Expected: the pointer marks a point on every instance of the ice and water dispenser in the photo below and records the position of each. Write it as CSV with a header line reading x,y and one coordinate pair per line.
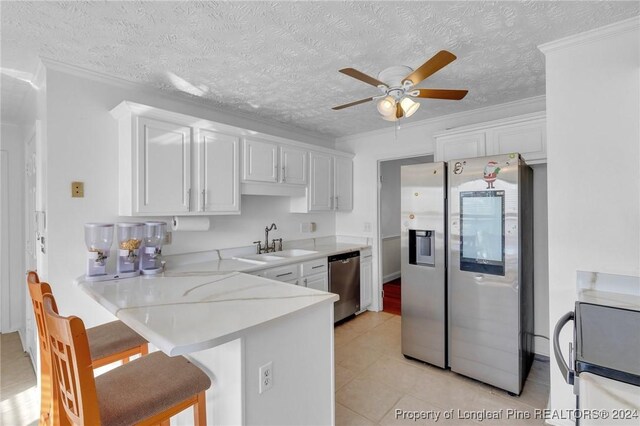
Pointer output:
x,y
422,249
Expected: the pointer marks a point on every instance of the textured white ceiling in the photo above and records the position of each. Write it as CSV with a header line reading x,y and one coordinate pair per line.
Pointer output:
x,y
279,60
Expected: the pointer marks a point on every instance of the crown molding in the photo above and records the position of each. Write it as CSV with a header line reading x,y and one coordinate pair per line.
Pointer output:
x,y
287,130
535,101
620,27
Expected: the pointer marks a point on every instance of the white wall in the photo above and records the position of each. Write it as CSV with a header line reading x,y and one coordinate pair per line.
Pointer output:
x,y
414,139
82,145
593,120
12,267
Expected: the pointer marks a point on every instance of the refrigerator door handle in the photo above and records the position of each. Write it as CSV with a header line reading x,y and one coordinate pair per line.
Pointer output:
x,y
567,373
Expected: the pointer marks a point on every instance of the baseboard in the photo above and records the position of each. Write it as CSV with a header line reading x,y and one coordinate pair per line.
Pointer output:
x,y
390,277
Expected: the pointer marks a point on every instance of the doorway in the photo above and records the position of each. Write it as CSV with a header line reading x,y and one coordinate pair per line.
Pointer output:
x,y
389,221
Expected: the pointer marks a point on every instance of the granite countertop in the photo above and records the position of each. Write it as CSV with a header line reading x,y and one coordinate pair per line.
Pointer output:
x,y
188,311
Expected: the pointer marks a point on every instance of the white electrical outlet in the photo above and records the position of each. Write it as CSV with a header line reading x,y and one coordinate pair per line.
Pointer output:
x,y
266,377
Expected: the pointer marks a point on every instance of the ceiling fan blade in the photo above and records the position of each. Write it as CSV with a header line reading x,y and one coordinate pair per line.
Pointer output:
x,y
399,110
358,75
436,63
361,101
454,95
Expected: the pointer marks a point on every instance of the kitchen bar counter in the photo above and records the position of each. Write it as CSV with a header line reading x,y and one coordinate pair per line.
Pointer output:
x,y
231,324
185,312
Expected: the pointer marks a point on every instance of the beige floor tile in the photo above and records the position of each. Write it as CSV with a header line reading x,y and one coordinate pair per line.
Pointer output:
x,y
366,321
368,398
355,356
412,411
346,417
343,336
394,373
343,376
19,397
445,390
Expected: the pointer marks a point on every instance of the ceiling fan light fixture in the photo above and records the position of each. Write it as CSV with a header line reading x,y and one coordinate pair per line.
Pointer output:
x,y
409,106
386,106
391,117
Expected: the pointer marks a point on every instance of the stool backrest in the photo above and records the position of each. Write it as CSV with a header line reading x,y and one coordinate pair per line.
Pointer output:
x,y
37,290
74,383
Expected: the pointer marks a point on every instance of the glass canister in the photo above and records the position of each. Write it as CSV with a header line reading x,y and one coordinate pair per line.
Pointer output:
x,y
129,242
154,233
98,238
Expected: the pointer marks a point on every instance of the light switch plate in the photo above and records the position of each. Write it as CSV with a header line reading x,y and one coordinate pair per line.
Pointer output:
x,y
77,189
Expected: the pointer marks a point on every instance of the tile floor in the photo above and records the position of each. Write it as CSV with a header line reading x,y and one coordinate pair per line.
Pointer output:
x,y
374,379
19,398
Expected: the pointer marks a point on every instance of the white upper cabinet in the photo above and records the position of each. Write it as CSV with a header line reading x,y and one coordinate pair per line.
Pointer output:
x,y
171,164
293,165
343,187
320,181
163,169
330,184
525,134
219,177
528,138
260,161
460,146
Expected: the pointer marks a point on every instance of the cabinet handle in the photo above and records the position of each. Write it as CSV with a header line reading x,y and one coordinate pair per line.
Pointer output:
x,y
284,275
305,282
330,203
316,267
189,198
337,208
204,199
284,174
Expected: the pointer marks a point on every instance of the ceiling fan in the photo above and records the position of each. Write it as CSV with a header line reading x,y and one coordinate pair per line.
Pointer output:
x,y
397,85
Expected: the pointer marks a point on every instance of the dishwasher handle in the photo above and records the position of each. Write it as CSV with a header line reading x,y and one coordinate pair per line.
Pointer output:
x,y
567,373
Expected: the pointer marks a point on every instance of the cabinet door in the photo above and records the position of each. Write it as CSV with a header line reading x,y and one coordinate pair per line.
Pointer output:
x,y
529,139
469,145
219,189
164,167
366,282
343,184
260,161
318,282
293,165
320,182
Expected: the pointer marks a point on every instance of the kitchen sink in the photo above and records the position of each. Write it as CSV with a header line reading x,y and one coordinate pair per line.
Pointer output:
x,y
258,258
293,253
261,259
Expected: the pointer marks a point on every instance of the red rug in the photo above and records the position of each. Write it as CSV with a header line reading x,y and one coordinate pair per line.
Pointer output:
x,y
391,301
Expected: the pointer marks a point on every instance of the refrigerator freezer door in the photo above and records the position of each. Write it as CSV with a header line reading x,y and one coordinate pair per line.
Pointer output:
x,y
491,318
424,298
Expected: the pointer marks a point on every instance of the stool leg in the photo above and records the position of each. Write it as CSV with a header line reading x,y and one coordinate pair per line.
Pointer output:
x,y
200,411
166,422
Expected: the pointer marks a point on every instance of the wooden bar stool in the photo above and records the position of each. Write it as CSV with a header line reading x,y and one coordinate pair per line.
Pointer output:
x,y
108,343
146,391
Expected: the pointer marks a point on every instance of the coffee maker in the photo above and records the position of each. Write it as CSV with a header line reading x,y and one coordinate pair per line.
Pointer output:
x,y
98,237
154,233
129,242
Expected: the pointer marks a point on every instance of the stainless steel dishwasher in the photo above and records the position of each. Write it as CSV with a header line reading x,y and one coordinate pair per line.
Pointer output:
x,y
344,280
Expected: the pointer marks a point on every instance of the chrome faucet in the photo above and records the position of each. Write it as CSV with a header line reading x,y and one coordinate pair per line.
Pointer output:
x,y
268,248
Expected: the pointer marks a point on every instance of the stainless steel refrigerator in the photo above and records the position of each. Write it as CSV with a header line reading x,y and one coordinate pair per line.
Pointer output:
x,y
490,274
423,267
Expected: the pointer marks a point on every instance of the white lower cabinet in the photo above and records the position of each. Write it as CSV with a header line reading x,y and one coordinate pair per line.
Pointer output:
x,y
318,282
312,274
366,279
